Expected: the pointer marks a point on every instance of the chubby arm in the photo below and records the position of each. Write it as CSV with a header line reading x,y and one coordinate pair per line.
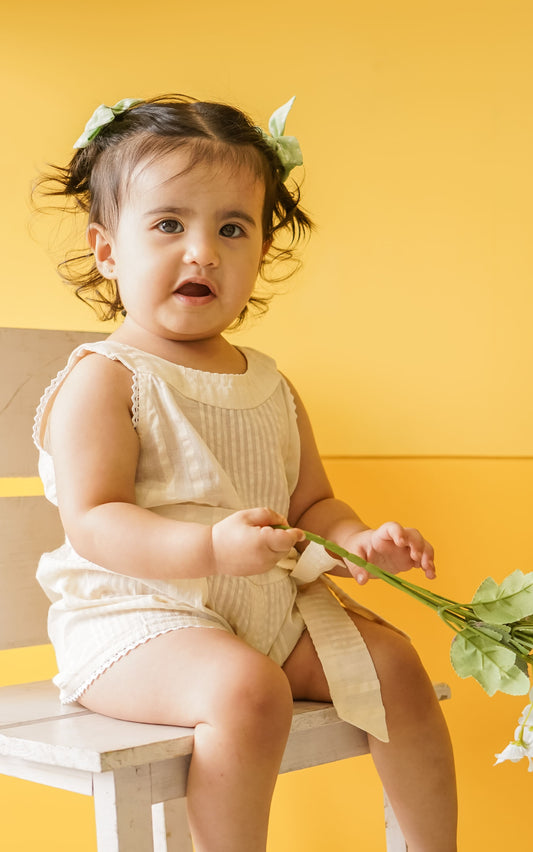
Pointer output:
x,y
315,508
95,451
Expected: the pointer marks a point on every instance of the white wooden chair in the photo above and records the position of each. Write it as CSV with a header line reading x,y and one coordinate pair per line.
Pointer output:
x,y
136,773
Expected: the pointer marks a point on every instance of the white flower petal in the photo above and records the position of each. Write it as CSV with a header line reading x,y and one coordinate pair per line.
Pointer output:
x,y
512,752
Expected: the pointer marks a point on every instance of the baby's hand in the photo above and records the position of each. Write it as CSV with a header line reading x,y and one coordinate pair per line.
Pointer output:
x,y
246,543
393,548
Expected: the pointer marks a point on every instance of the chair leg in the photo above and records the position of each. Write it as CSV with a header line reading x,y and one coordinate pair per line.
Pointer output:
x,y
123,810
395,839
171,826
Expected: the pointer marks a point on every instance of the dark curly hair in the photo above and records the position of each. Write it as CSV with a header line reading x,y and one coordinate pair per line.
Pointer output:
x,y
96,180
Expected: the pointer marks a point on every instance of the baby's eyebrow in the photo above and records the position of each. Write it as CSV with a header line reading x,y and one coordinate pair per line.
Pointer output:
x,y
238,214
175,211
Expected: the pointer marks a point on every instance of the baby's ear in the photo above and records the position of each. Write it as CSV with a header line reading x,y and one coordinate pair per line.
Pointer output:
x,y
102,247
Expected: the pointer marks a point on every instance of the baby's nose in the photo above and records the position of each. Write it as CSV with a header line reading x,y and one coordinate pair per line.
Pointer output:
x,y
201,249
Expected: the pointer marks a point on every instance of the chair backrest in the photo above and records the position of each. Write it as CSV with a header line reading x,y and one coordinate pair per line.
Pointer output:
x,y
29,526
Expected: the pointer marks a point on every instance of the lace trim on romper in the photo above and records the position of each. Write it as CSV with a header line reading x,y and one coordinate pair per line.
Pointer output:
x,y
53,387
135,400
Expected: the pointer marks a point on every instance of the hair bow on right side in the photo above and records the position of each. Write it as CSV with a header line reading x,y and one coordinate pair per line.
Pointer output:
x,y
287,148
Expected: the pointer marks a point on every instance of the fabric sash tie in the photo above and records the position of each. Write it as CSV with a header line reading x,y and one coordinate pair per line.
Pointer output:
x,y
348,667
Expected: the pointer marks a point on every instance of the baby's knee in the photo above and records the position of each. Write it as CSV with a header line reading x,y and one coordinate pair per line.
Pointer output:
x,y
398,650
260,699
403,678
394,656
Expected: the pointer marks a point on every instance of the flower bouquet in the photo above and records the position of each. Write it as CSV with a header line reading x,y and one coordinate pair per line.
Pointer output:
x,y
493,640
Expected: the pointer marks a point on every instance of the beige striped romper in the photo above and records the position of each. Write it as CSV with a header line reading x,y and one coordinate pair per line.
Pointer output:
x,y
210,444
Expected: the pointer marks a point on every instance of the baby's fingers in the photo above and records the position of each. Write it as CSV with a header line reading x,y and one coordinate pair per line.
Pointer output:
x,y
427,561
280,541
421,552
411,541
362,576
261,517
392,531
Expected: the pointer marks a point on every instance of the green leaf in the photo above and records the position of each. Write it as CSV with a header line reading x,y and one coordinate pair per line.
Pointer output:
x,y
475,655
500,632
508,602
523,666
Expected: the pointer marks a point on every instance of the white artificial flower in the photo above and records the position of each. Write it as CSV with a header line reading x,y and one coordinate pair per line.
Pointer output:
x,y
522,745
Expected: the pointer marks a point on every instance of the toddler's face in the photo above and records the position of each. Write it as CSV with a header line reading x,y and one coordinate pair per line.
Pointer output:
x,y
187,248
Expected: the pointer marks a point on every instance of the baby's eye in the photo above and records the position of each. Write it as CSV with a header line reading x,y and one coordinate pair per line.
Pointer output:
x,y
231,230
170,226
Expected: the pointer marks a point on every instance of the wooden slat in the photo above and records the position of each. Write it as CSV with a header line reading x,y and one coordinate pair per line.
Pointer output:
x,y
95,743
29,526
34,702
169,778
73,780
325,744
29,359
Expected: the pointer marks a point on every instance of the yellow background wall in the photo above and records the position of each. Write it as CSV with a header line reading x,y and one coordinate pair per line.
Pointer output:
x,y
407,331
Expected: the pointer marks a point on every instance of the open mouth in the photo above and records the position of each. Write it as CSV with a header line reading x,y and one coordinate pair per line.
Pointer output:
x,y
194,289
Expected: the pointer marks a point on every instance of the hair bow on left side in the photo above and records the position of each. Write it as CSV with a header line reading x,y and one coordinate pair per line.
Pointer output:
x,y
102,116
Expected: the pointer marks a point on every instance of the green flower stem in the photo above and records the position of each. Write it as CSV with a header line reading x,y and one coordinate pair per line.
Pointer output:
x,y
522,644
456,624
525,632
431,599
521,650
456,616
422,594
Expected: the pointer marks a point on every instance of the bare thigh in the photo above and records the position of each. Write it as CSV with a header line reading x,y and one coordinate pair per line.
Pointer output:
x,y
387,647
183,677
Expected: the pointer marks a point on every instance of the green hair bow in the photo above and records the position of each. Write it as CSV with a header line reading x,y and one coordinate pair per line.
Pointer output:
x,y
101,116
287,148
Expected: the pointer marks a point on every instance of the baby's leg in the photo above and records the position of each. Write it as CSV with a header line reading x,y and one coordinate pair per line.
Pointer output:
x,y
241,705
416,766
